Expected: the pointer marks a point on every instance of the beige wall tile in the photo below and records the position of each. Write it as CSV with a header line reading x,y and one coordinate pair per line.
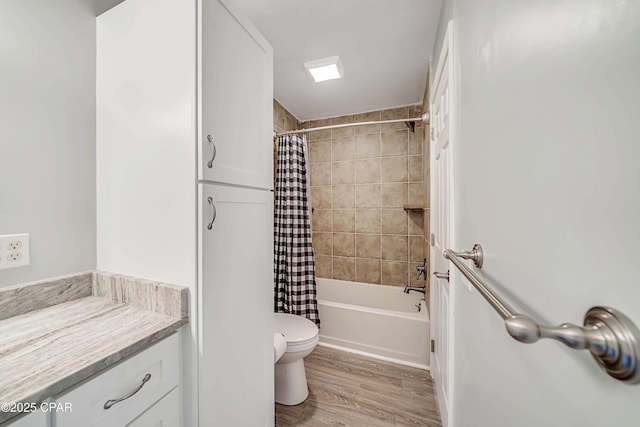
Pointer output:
x,y
320,173
343,149
415,168
427,232
371,116
368,246
340,132
320,151
321,197
416,248
322,243
320,134
343,172
322,220
368,195
416,223
394,248
415,142
395,195
368,171
344,244
394,169
343,196
394,113
394,143
415,111
394,273
349,220
290,122
368,146
323,266
416,193
368,270
344,268
368,220
344,220
394,221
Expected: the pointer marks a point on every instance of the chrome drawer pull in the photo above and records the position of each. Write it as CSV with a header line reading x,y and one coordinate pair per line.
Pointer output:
x,y
109,403
215,213
213,155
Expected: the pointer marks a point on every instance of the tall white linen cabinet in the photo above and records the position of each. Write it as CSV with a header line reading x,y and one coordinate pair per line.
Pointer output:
x,y
184,173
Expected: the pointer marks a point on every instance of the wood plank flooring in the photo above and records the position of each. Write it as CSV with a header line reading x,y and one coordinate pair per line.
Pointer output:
x,y
350,390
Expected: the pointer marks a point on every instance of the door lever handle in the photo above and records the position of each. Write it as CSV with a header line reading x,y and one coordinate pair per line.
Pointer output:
x,y
440,275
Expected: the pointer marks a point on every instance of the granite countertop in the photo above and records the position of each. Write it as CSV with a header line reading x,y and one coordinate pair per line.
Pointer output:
x,y
57,333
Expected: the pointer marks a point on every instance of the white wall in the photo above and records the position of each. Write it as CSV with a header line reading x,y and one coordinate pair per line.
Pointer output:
x,y
47,142
547,179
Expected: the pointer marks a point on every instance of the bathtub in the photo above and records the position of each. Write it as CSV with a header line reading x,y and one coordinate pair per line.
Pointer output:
x,y
374,320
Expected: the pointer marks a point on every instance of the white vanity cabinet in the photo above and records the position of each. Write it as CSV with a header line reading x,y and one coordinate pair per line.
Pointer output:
x,y
35,419
142,382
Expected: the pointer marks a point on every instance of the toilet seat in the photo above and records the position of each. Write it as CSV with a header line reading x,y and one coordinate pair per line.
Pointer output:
x,y
299,332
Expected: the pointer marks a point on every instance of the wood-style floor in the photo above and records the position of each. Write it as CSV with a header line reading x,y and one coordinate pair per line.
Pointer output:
x,y
350,390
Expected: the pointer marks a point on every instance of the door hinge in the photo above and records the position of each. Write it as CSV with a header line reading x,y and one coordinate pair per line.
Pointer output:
x,y
432,239
433,346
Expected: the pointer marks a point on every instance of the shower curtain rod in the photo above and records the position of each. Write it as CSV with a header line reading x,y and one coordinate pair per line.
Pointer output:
x,y
425,118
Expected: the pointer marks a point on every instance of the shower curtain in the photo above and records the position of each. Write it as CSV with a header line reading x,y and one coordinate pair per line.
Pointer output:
x,y
294,266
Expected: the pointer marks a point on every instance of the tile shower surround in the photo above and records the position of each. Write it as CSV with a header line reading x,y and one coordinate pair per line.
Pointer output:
x,y
360,179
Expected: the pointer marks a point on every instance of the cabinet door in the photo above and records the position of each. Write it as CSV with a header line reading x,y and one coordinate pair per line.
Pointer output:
x,y
236,307
236,99
165,413
34,419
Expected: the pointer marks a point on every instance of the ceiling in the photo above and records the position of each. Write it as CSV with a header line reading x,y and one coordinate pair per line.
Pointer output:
x,y
384,45
100,6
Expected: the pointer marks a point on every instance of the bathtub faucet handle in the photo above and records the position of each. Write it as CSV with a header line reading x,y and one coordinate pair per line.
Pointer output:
x,y
422,270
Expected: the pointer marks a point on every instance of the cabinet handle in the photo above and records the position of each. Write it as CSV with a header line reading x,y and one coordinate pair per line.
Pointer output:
x,y
109,403
215,213
213,148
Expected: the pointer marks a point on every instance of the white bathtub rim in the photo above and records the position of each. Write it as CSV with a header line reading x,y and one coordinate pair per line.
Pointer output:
x,y
376,356
422,315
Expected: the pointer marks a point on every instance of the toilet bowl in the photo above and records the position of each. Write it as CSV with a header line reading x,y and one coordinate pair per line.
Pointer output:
x,y
301,335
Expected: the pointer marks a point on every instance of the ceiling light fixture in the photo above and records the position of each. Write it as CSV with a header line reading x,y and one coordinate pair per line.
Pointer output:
x,y
325,68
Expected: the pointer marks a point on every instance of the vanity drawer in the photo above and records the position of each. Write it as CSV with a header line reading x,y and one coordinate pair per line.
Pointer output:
x,y
165,413
159,364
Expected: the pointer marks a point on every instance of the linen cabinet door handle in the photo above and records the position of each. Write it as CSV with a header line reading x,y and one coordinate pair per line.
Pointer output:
x,y
109,403
215,213
213,149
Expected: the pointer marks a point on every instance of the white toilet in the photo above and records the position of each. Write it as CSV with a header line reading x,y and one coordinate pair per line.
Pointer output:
x,y
301,335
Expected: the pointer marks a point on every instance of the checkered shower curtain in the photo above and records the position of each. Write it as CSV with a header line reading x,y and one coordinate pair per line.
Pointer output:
x,y
294,267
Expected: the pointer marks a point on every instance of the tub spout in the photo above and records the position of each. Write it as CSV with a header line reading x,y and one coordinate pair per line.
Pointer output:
x,y
408,288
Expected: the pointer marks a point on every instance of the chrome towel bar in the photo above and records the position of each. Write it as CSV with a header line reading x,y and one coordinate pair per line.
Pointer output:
x,y
611,337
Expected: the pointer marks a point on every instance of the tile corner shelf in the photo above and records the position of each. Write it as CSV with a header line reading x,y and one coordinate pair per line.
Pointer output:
x,y
413,207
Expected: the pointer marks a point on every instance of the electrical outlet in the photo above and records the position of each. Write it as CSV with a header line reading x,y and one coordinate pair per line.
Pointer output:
x,y
15,245
14,251
14,256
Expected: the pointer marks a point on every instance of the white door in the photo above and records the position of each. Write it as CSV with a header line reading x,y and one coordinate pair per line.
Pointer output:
x,y
235,306
236,84
441,226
